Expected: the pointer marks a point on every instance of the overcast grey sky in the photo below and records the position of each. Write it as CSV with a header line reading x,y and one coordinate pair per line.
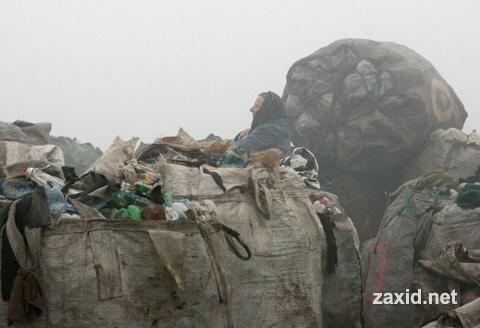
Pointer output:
x,y
101,68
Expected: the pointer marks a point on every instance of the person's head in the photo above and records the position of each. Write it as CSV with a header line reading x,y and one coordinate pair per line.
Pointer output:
x,y
268,106
257,105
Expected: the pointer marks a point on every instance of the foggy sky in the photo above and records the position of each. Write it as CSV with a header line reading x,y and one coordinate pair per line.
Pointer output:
x,y
97,69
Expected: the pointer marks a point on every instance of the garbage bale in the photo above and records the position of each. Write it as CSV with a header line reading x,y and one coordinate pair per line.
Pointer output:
x,y
358,98
162,274
281,286
77,155
342,289
25,132
365,107
452,237
389,265
451,150
14,152
111,273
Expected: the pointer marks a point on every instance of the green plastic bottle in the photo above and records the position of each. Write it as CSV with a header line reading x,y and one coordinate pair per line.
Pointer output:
x,y
134,212
122,214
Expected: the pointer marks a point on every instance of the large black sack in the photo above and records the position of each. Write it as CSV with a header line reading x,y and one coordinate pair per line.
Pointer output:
x,y
355,98
364,108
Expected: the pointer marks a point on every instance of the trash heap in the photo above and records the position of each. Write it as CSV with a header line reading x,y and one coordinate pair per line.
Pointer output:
x,y
158,235
122,185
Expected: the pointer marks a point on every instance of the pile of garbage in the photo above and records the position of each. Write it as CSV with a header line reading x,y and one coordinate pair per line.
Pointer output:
x,y
119,185
162,233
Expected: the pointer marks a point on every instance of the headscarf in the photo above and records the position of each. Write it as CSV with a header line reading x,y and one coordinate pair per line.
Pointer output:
x,y
272,109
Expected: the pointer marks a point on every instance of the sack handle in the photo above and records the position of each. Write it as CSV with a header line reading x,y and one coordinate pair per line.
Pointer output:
x,y
230,235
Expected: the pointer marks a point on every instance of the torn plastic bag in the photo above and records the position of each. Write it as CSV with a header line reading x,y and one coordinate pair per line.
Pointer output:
x,y
303,161
16,188
234,157
57,202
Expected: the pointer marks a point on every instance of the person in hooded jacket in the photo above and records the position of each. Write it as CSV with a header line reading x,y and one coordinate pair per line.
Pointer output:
x,y
269,127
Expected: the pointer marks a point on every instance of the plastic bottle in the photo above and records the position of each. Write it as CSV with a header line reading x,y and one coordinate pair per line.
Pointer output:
x,y
122,214
134,212
171,214
167,197
142,189
180,208
123,199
